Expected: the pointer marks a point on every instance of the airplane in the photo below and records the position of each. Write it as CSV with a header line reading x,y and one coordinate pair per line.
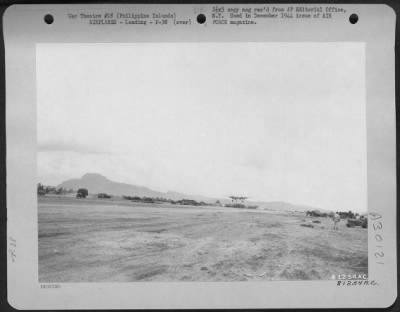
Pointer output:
x,y
237,198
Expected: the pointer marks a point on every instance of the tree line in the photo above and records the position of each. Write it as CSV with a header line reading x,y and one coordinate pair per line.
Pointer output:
x,y
83,193
47,189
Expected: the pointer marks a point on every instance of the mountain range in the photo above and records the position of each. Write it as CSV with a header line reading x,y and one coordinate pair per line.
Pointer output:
x,y
97,183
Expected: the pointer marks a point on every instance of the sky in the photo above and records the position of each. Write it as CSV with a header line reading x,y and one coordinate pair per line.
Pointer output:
x,y
271,121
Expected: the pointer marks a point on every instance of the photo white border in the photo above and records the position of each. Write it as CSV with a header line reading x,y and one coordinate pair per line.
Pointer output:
x,y
24,28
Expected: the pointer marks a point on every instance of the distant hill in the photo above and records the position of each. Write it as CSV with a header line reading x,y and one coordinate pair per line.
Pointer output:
x,y
96,183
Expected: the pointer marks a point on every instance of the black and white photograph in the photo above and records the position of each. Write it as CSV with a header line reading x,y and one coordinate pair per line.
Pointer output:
x,y
201,162
200,156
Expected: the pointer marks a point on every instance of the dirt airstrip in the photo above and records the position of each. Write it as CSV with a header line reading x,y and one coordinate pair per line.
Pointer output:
x,y
84,240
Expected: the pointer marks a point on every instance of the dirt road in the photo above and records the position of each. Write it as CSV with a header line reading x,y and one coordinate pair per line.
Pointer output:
x,y
118,241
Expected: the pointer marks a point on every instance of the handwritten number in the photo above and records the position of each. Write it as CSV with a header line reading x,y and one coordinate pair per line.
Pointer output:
x,y
12,247
375,216
377,226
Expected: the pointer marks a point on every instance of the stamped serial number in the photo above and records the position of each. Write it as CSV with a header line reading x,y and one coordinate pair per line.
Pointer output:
x,y
357,283
50,286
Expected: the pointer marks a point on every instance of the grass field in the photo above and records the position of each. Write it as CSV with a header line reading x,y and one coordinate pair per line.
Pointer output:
x,y
119,241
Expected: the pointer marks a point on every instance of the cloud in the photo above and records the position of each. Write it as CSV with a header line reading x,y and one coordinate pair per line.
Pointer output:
x,y
255,163
263,132
71,147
